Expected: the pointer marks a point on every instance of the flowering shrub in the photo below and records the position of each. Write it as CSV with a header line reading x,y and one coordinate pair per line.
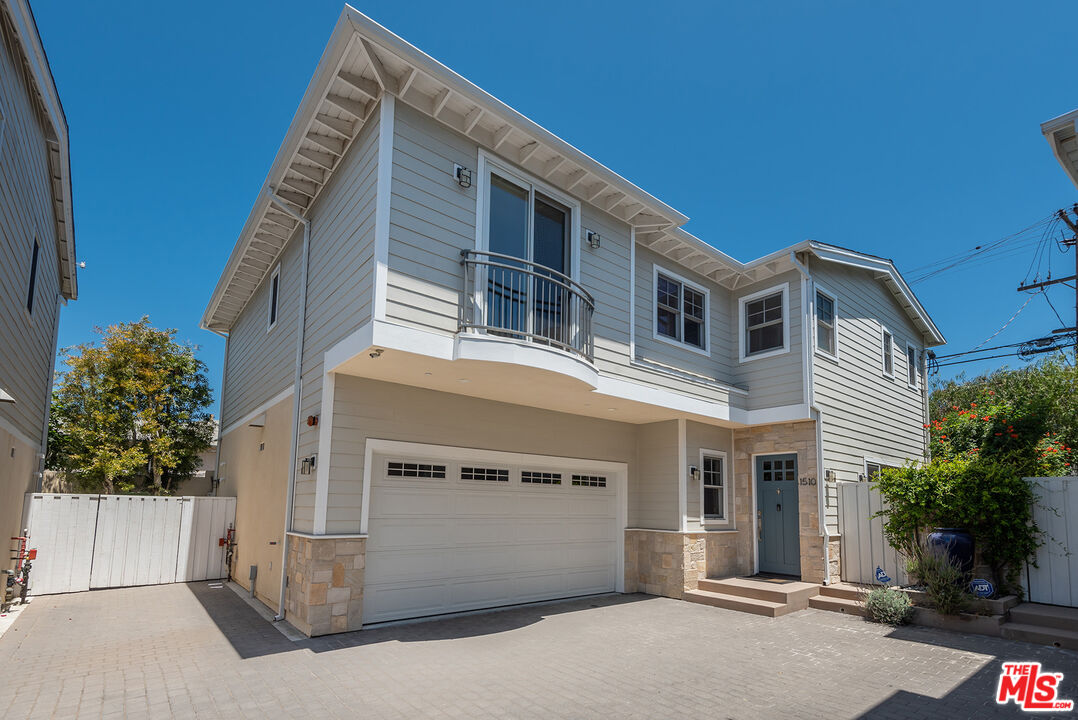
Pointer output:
x,y
1003,431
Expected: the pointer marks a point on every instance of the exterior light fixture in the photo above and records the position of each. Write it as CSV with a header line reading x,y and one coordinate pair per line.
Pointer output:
x,y
462,175
307,465
594,240
694,472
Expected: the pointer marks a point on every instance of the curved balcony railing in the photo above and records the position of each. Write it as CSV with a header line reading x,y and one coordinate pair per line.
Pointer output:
x,y
514,298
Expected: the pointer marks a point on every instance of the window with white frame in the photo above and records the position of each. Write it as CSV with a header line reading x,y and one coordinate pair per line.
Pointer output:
x,y
764,330
911,366
873,468
680,310
274,297
32,281
888,353
713,500
826,323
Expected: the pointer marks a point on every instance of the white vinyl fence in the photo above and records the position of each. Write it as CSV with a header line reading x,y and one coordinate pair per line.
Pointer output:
x,y
86,542
1055,579
864,547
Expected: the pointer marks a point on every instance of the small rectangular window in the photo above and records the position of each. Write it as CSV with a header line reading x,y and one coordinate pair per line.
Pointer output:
x,y
826,323
873,469
713,488
33,278
490,474
911,366
888,354
764,324
589,481
416,470
274,296
540,478
680,310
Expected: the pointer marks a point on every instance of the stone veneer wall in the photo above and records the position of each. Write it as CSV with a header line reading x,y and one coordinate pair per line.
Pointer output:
x,y
664,562
797,438
325,584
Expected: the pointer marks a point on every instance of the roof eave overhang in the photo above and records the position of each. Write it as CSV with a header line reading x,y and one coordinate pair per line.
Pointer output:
x,y
59,156
1057,131
392,65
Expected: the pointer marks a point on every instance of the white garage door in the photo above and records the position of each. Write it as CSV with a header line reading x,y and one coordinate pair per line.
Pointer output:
x,y
448,536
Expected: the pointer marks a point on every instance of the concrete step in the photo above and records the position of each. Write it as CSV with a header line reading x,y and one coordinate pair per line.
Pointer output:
x,y
1046,616
737,602
843,591
837,604
788,592
1041,635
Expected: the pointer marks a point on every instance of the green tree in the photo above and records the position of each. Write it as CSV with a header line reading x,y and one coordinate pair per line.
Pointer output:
x,y
130,413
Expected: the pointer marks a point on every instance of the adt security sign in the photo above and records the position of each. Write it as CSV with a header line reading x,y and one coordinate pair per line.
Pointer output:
x,y
881,576
982,588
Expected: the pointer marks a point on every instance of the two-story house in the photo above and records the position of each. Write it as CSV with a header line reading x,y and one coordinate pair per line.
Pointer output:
x,y
37,254
469,366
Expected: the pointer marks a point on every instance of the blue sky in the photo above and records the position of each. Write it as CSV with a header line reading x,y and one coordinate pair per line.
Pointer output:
x,y
907,130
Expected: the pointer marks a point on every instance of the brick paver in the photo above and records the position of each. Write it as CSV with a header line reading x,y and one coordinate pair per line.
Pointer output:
x,y
195,651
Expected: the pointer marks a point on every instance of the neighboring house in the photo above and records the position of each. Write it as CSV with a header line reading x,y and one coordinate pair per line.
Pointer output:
x,y
1061,134
469,366
37,254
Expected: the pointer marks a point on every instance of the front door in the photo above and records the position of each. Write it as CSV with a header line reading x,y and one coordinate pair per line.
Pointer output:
x,y
776,514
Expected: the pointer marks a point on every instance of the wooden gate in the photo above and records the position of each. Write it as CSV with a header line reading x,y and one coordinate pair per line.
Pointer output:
x,y
864,547
1054,581
86,542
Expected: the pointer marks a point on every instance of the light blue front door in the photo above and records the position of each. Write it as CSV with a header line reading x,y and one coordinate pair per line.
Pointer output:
x,y
776,506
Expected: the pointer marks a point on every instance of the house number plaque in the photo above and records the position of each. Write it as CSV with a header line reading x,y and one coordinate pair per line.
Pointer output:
x,y
807,481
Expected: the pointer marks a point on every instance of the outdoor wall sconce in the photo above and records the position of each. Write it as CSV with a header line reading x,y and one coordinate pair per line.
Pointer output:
x,y
307,465
694,472
462,175
594,239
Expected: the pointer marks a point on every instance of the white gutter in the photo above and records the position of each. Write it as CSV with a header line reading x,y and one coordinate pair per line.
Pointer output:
x,y
296,396
809,368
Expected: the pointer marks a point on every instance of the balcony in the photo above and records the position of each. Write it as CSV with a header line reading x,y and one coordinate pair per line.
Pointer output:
x,y
506,297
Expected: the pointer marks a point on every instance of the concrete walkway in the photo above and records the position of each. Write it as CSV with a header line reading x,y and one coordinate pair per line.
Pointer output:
x,y
196,651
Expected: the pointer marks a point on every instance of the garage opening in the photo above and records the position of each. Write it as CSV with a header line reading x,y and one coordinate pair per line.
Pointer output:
x,y
468,530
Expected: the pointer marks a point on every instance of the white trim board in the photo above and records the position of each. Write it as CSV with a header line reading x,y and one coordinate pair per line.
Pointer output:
x,y
383,196
619,471
260,410
727,521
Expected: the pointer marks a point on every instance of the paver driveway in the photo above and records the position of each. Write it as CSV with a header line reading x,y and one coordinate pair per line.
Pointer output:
x,y
191,650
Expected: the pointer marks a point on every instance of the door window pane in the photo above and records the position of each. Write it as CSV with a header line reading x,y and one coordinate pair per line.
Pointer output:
x,y
508,218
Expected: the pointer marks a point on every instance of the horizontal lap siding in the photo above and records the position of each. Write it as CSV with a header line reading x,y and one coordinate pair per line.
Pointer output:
x,y
653,502
340,294
261,362
716,367
707,437
26,213
865,413
431,220
778,380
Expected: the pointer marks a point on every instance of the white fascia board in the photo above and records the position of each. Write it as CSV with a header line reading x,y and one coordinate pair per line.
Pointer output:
x,y
1059,122
1050,130
461,86
30,40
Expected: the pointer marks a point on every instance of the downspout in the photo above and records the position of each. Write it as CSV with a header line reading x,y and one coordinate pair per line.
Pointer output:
x,y
808,355
220,415
48,404
297,390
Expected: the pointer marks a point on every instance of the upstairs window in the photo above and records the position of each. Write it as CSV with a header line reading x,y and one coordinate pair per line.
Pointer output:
x,y
680,310
764,330
826,323
274,296
911,366
888,353
32,284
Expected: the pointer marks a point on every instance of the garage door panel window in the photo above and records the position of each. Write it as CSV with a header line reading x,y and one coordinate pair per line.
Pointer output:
x,y
488,474
415,470
597,481
534,477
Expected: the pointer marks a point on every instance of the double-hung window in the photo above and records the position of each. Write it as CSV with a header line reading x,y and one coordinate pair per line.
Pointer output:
x,y
713,501
888,353
764,327
911,366
274,297
680,310
32,284
826,323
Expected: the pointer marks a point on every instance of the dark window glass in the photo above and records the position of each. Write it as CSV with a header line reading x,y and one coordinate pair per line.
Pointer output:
x,y
764,324
33,278
274,290
508,218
